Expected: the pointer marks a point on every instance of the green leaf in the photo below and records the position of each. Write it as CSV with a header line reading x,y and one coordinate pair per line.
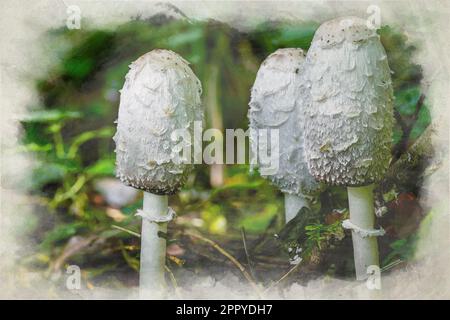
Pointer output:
x,y
402,249
295,36
259,222
59,233
235,187
103,167
34,147
423,121
391,195
47,173
106,132
184,38
400,53
215,220
78,68
397,134
406,100
82,60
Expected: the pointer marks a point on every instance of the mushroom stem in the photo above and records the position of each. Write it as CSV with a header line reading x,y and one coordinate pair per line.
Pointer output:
x,y
153,248
293,203
362,215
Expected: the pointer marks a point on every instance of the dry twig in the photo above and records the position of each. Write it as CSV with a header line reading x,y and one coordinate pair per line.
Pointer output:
x,y
249,263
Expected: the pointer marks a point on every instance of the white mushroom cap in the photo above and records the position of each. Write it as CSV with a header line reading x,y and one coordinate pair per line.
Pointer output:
x,y
349,124
160,94
275,105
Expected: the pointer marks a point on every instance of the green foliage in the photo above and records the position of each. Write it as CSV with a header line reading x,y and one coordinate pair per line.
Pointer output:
x,y
400,53
70,136
413,114
406,100
61,175
259,222
402,249
422,122
46,173
82,61
103,167
54,115
397,134
60,233
269,37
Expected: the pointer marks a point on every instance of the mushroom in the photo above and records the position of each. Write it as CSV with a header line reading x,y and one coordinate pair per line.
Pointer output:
x,y
276,103
161,94
349,124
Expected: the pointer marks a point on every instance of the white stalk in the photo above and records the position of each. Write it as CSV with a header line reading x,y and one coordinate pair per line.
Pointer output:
x,y
362,215
153,248
293,204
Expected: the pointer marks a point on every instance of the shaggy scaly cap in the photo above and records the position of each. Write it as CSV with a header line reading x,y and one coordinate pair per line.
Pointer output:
x,y
274,105
349,124
160,94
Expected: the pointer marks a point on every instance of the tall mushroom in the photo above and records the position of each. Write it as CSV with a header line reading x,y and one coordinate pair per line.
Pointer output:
x,y
276,103
349,124
161,94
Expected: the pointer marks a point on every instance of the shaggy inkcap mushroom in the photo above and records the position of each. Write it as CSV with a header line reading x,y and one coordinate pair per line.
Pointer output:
x,y
275,105
349,124
160,94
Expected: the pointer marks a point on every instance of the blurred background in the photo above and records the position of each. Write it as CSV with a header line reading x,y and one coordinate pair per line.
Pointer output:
x,y
84,216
